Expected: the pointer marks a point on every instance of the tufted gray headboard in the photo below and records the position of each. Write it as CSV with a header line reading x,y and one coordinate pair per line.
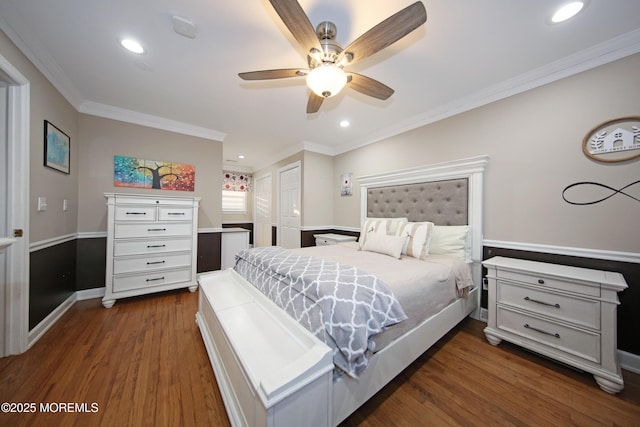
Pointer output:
x,y
441,202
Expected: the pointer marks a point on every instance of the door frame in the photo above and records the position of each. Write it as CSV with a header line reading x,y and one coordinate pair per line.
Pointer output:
x,y
16,310
281,170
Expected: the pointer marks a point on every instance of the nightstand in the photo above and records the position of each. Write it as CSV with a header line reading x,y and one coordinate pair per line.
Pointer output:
x,y
565,313
332,239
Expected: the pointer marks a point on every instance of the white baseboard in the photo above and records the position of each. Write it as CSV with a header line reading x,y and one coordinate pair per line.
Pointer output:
x,y
629,361
90,293
39,330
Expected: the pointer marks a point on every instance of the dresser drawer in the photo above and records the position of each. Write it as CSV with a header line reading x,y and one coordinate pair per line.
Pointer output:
x,y
152,230
570,309
550,282
570,340
125,283
135,213
148,263
139,247
175,214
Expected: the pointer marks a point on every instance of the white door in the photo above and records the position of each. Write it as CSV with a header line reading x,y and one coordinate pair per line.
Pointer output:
x,y
14,207
262,216
4,232
289,209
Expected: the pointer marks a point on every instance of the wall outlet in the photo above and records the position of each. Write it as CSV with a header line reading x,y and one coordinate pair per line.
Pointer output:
x,y
485,284
65,205
42,204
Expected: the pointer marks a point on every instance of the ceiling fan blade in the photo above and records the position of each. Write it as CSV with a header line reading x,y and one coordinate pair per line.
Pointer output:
x,y
273,74
298,23
385,33
314,103
369,86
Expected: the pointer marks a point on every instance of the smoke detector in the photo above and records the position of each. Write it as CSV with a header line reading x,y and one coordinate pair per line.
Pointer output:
x,y
183,26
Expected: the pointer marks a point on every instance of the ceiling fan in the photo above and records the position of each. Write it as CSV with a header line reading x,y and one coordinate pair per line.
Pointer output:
x,y
326,58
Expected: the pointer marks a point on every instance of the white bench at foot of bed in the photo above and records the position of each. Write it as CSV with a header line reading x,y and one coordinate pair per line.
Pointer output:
x,y
270,370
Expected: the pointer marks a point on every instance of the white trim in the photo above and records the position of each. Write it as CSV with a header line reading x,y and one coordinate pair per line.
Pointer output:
x,y
47,243
210,230
16,310
330,227
629,361
92,235
130,116
86,294
564,250
39,330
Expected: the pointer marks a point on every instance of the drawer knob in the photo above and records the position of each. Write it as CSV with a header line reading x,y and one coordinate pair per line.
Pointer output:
x,y
556,305
540,281
557,335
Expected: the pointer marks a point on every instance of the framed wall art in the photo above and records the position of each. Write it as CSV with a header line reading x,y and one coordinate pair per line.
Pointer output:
x,y
617,140
57,148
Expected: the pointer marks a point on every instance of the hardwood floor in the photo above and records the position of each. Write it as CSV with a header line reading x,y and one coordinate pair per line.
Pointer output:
x,y
143,363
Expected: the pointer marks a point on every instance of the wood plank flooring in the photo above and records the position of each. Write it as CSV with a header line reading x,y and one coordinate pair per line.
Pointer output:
x,y
143,363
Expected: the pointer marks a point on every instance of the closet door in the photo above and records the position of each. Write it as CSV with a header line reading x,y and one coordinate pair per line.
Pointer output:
x,y
289,206
262,215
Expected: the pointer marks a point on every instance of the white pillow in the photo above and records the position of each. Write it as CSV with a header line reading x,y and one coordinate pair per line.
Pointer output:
x,y
450,240
383,244
393,224
372,226
418,236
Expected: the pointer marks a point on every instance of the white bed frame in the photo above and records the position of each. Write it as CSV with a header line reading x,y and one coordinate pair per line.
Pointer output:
x,y
273,372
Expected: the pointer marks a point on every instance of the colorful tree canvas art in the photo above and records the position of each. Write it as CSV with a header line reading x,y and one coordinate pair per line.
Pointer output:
x,y
140,173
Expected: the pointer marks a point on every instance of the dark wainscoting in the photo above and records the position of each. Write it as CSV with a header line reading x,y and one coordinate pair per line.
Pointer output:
x,y
629,309
52,279
209,251
92,259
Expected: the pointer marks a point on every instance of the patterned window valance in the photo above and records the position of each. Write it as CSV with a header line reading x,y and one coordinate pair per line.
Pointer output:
x,y
236,181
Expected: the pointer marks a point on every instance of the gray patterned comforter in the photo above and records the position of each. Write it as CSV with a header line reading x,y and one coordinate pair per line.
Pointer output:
x,y
341,305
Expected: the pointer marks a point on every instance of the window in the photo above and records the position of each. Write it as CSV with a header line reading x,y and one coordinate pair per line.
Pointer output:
x,y
234,201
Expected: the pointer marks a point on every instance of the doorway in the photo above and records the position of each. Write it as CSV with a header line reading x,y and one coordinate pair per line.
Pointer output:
x,y
289,209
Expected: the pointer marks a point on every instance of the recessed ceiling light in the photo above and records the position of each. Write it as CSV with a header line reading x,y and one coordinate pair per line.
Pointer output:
x,y
241,157
345,123
567,11
132,45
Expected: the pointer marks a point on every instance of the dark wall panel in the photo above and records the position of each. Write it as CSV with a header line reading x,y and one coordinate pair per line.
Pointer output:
x,y
91,264
52,279
629,308
209,251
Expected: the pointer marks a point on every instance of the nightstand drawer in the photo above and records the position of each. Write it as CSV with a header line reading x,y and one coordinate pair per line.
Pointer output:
x,y
550,282
123,231
149,263
570,309
570,340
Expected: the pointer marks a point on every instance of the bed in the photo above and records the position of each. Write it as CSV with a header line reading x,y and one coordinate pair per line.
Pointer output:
x,y
272,371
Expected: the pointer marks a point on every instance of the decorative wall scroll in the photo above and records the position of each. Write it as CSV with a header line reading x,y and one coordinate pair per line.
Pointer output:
x,y
606,192
141,173
614,141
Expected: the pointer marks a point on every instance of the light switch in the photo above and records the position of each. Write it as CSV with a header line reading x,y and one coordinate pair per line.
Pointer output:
x,y
65,205
42,204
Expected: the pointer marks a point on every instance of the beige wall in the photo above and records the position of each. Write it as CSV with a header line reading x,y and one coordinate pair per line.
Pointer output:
x,y
534,141
103,138
47,104
319,188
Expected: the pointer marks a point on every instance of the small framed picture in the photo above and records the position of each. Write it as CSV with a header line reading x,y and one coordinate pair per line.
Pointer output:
x,y
57,148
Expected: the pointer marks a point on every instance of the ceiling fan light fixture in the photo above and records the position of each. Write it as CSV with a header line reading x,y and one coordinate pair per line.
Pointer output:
x,y
326,80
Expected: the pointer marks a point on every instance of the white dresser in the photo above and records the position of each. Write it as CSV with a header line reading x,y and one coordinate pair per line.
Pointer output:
x,y
566,313
332,239
151,244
